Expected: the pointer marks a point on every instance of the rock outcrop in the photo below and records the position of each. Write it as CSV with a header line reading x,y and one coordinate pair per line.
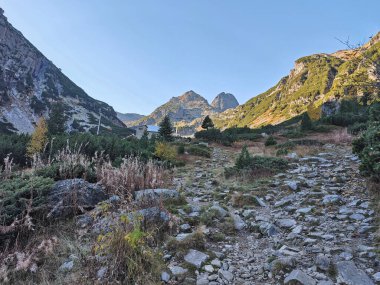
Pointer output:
x,y
224,101
30,84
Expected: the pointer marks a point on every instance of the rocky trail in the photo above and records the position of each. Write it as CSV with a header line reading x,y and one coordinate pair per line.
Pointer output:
x,y
312,225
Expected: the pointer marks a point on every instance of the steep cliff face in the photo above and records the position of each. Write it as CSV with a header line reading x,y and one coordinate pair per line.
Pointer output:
x,y
315,81
30,84
224,101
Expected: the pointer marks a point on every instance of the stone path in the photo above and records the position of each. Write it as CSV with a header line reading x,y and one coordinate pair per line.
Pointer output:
x,y
314,225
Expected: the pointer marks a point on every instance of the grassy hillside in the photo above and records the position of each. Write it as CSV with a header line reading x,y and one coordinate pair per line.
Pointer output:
x,y
315,79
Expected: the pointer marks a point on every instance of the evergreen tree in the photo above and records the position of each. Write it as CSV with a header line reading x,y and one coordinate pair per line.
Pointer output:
x,y
166,129
38,139
244,159
57,120
207,123
306,123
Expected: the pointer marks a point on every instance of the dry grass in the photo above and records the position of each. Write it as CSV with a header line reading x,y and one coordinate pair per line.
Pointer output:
x,y
132,175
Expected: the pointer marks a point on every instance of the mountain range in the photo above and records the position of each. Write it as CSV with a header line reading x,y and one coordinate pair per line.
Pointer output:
x,y
30,84
187,111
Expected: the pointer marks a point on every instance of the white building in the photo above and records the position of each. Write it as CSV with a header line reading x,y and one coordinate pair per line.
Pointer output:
x,y
151,130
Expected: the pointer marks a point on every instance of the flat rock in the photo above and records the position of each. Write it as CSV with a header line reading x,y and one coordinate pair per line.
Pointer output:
x,y
196,258
286,223
299,277
155,194
349,274
177,270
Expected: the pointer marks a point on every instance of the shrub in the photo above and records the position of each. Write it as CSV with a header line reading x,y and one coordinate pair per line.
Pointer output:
x,y
368,149
214,135
357,128
244,159
17,193
165,151
199,151
126,250
15,146
181,149
270,141
306,123
282,151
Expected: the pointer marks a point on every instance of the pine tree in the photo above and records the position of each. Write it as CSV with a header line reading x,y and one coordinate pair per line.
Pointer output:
x,y
207,123
57,120
38,139
244,159
306,123
166,129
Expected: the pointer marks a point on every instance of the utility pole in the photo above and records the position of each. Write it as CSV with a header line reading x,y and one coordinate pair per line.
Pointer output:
x,y
100,117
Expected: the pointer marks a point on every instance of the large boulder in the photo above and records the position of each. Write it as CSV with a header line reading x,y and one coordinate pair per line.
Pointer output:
x,y
73,196
349,274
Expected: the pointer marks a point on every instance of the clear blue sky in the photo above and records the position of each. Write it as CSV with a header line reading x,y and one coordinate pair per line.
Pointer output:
x,y
135,55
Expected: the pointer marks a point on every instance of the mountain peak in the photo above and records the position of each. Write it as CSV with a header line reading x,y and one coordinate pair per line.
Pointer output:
x,y
224,101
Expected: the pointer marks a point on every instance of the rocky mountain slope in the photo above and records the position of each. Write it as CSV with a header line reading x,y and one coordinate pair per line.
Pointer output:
x,y
315,80
30,84
187,111
224,101
127,118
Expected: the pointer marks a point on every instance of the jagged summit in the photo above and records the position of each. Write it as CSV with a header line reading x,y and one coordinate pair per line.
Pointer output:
x,y
224,101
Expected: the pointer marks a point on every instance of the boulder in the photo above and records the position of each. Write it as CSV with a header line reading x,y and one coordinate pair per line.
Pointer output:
x,y
196,258
72,196
299,277
155,194
349,274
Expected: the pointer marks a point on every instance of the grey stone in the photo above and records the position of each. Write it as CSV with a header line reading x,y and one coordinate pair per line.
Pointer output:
x,y
67,266
202,279
177,270
349,274
196,258
209,268
286,223
331,199
185,227
101,273
376,276
221,212
323,262
156,194
357,217
238,222
299,277
227,275
67,197
165,277
293,185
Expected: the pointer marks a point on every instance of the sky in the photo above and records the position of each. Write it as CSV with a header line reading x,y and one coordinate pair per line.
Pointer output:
x,y
136,55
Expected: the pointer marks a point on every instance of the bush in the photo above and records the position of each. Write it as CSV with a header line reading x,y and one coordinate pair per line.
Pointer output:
x,y
306,123
282,151
357,128
15,145
214,135
368,149
181,149
248,166
17,193
244,159
199,151
126,250
270,141
166,151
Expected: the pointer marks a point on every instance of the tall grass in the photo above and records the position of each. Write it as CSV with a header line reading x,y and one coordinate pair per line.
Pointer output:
x,y
133,174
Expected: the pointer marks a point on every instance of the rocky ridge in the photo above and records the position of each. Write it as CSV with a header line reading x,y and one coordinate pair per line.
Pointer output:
x,y
30,84
187,111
